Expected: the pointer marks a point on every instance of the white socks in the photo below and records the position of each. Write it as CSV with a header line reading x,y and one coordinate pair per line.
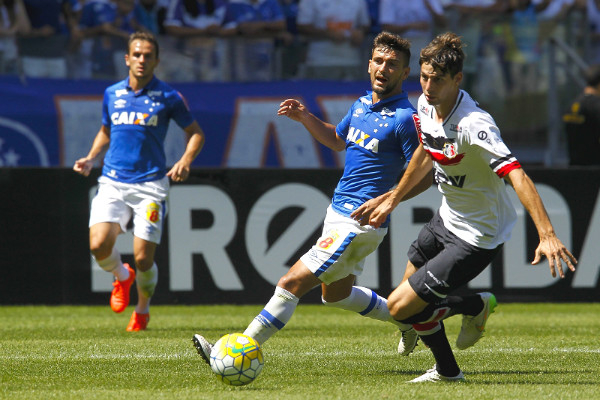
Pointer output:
x,y
113,264
273,317
146,280
368,304
146,283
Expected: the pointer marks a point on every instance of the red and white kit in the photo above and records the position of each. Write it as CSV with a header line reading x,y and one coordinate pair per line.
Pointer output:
x,y
470,160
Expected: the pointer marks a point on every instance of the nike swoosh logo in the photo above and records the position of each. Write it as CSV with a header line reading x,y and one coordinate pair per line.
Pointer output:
x,y
245,349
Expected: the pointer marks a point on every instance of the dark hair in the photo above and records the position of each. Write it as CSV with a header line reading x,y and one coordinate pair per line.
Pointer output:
x,y
592,75
146,36
393,42
444,53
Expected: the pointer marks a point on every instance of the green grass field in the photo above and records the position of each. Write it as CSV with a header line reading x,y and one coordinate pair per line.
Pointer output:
x,y
530,351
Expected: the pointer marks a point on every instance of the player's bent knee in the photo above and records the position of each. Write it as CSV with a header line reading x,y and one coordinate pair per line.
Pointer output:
x,y
144,263
399,308
100,250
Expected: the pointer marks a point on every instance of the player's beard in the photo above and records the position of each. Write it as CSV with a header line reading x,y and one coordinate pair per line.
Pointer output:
x,y
383,91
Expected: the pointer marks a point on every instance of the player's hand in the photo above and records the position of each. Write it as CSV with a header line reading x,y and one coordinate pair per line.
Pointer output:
x,y
292,108
83,166
180,172
556,253
363,213
380,214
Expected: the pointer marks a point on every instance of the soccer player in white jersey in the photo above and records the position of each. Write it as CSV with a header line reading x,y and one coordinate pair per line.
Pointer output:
x,y
379,135
471,164
135,182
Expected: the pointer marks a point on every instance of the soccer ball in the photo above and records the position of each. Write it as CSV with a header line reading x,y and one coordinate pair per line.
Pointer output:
x,y
237,359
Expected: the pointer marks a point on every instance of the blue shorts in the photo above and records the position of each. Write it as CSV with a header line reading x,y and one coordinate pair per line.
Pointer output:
x,y
444,262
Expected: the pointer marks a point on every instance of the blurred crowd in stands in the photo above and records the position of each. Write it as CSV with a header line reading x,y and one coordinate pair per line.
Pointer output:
x,y
265,40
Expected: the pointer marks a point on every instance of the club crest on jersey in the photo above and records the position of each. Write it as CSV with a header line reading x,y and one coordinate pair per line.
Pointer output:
x,y
449,150
133,118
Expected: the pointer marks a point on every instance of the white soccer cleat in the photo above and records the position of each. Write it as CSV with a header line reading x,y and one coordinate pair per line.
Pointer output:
x,y
203,347
473,326
433,376
408,341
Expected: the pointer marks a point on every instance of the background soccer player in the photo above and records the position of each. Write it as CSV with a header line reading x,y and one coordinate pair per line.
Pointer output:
x,y
582,123
471,163
379,136
134,181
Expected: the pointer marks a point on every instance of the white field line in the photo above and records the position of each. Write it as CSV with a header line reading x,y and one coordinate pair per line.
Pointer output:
x,y
65,355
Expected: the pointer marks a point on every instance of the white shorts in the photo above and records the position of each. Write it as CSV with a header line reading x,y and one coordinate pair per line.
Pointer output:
x,y
146,201
342,248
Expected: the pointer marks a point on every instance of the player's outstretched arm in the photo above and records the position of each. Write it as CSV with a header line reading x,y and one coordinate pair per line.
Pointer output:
x,y
195,141
549,246
84,165
322,131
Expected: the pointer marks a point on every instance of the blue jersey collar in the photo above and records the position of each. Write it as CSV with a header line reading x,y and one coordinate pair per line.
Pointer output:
x,y
400,96
149,86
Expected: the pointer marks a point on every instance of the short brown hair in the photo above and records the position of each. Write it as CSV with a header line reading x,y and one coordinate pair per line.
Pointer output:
x,y
444,53
146,36
394,42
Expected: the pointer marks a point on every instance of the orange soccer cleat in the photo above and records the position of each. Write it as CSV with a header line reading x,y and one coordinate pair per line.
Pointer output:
x,y
119,298
138,322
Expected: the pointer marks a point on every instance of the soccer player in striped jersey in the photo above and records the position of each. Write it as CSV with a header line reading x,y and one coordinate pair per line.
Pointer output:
x,y
471,164
379,136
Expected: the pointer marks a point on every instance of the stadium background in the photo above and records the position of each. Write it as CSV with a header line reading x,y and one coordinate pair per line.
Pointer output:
x,y
258,191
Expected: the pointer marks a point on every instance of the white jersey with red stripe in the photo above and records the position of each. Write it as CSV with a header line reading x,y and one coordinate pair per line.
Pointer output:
x,y
470,159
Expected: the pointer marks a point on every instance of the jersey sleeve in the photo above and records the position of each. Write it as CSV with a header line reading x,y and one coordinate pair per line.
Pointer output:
x,y
105,115
407,131
180,112
342,128
484,133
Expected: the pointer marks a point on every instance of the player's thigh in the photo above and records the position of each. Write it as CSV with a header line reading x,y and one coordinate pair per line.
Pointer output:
x,y
299,280
404,302
452,268
103,236
409,271
342,248
108,205
148,201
